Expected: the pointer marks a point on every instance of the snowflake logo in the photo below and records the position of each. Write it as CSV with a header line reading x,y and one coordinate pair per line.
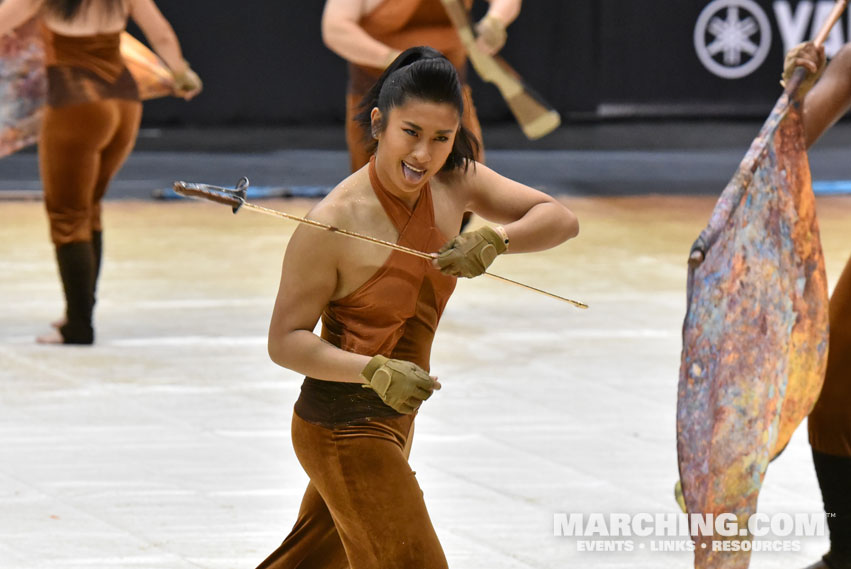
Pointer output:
x,y
732,37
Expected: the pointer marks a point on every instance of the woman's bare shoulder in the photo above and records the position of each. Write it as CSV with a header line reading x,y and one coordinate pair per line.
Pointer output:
x,y
462,177
458,182
350,204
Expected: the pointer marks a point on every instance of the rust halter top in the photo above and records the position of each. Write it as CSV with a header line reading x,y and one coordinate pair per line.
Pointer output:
x,y
394,313
401,24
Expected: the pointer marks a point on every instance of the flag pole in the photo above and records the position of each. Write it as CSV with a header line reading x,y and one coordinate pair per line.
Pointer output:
x,y
831,20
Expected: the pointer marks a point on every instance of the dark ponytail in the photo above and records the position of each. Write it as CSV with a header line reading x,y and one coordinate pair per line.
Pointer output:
x,y
69,9
419,73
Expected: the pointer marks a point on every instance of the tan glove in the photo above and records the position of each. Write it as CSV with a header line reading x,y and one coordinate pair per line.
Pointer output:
x,y
809,57
471,253
491,34
401,385
391,57
187,84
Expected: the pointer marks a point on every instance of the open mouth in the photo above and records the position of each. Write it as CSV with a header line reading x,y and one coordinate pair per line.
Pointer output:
x,y
412,175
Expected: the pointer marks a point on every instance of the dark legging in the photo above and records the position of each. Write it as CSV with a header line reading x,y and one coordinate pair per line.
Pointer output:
x,y
363,508
82,146
830,421
830,427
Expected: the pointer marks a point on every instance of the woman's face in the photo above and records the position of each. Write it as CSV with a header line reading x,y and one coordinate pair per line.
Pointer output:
x,y
414,144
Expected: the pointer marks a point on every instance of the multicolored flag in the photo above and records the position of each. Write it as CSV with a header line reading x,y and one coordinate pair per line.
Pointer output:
x,y
755,335
23,87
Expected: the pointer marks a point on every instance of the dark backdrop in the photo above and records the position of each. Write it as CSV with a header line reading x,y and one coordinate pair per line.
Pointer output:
x,y
264,63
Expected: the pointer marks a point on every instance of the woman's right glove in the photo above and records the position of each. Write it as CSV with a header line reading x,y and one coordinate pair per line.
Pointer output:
x,y
491,34
187,84
811,58
401,385
471,253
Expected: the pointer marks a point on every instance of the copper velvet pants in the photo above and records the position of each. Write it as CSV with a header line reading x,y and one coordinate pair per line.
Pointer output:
x,y
81,148
363,508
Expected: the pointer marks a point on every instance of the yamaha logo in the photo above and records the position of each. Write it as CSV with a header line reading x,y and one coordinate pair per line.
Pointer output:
x,y
732,37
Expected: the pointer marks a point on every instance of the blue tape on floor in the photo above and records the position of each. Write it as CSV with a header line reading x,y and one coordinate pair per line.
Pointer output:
x,y
831,187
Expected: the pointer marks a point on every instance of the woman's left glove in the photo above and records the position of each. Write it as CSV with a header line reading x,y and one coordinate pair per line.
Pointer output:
x,y
811,58
187,84
471,253
402,385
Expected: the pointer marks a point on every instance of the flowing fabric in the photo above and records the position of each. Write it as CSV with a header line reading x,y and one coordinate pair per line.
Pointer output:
x,y
23,87
755,334
152,75
23,82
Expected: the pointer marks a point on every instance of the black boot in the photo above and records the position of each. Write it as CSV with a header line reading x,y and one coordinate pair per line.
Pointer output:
x,y
97,252
77,270
834,478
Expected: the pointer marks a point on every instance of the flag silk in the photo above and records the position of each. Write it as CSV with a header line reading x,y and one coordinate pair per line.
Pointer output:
x,y
23,82
152,75
755,332
23,87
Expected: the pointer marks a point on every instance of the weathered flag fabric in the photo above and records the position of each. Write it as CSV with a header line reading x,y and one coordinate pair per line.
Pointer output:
x,y
23,87
152,75
755,332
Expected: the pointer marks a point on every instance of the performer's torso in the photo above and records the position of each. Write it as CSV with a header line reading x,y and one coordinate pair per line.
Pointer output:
x,y
86,68
408,23
394,313
385,16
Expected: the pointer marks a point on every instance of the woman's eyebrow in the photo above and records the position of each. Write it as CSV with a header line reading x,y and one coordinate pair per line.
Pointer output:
x,y
415,126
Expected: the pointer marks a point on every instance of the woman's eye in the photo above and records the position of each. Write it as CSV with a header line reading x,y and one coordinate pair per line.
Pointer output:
x,y
442,138
410,131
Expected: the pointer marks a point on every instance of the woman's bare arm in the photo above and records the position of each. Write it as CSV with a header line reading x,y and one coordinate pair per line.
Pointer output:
x,y
308,282
830,98
342,34
533,220
13,13
159,33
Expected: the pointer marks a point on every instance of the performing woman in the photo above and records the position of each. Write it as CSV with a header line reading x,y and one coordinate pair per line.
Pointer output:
x,y
89,128
369,34
830,421
367,374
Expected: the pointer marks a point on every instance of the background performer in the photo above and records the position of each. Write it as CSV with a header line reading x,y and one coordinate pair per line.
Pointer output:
x,y
89,128
830,421
369,34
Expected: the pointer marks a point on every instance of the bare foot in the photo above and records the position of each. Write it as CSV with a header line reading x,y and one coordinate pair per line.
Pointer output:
x,y
53,337
59,323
